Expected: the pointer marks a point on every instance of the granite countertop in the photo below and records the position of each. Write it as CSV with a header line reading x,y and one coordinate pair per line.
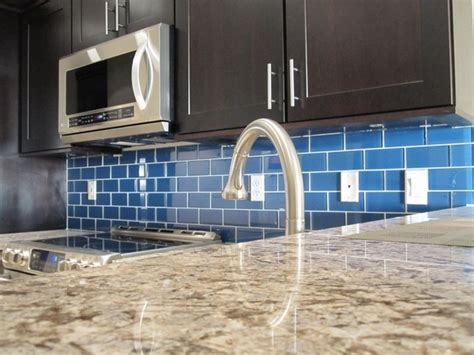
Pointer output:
x,y
313,293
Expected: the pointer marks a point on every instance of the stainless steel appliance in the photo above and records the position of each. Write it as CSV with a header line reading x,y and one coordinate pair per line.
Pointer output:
x,y
118,90
77,251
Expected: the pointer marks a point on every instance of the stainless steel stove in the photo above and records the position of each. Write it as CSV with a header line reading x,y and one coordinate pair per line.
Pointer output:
x,y
72,252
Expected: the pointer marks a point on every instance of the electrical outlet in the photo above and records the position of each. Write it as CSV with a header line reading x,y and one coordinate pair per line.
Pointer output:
x,y
257,187
349,186
92,190
416,187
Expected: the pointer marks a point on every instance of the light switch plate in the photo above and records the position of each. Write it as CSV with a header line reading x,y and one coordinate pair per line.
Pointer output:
x,y
91,190
349,186
257,187
416,187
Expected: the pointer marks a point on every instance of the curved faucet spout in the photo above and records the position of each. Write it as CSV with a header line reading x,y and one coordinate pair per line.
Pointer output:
x,y
294,191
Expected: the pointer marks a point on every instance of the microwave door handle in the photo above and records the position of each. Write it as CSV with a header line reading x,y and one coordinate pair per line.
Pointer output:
x,y
142,102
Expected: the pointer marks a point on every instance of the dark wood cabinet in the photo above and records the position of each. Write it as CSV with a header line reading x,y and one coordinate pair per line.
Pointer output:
x,y
145,13
46,36
367,56
223,51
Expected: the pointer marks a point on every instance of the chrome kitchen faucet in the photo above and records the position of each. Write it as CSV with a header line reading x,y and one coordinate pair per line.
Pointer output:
x,y
294,190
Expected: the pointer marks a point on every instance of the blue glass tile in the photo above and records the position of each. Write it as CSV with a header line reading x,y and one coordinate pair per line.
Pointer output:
x,y
156,225
210,183
427,157
188,215
385,201
404,137
80,162
313,162
102,173
166,154
248,234
227,234
198,167
80,211
111,159
315,201
325,181
442,135
371,180
70,162
236,218
262,146
199,227
384,159
253,165
249,205
128,185
272,233
367,139
103,225
111,212
74,223
146,214
462,155
156,170
146,156
335,203
395,180
74,174
103,199
119,171
272,164
177,169
129,213
345,161
139,170
209,151
324,220
199,199
128,158
353,218
70,186
188,184
306,179
211,217
165,185
166,214
110,185
119,199
220,166
88,224
85,200
189,152
271,182
94,161
74,199
327,142
176,200
436,201
462,198
218,202
274,200
451,179
301,144
264,219
227,151
70,210
156,199
95,212
136,199
87,173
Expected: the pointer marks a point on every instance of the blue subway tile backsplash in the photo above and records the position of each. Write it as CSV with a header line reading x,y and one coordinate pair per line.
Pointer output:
x,y
180,187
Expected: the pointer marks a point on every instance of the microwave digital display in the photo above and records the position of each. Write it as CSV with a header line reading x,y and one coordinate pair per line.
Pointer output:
x,y
100,85
124,112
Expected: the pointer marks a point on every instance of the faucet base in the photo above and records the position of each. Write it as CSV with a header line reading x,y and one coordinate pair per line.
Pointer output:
x,y
295,226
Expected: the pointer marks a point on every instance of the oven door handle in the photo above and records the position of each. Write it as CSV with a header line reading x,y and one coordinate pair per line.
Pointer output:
x,y
142,51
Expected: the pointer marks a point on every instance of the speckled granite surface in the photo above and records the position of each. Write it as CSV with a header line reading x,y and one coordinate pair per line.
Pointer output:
x,y
314,293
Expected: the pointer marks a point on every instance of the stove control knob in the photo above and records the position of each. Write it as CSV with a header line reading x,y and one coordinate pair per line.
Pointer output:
x,y
74,264
63,265
8,255
20,258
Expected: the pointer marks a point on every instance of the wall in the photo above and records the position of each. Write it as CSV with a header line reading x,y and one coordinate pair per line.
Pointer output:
x,y
180,187
32,190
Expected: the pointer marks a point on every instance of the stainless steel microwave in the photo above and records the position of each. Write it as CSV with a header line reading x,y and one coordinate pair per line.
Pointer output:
x,y
117,90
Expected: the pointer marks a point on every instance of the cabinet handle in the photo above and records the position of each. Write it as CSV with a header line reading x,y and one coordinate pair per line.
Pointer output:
x,y
106,18
116,15
270,73
292,70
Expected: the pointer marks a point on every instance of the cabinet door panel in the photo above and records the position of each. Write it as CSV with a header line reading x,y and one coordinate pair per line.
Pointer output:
x,y
368,56
144,13
224,47
46,38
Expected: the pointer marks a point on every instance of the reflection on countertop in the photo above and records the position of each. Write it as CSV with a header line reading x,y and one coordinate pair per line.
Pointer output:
x,y
317,292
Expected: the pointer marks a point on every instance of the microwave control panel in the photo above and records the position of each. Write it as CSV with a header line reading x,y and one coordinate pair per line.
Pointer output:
x,y
93,118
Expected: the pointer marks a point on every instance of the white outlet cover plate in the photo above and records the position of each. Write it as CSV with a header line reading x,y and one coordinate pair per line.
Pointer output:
x,y
257,187
416,187
349,186
91,190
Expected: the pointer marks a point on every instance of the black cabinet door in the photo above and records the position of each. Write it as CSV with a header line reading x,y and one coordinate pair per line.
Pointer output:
x,y
46,36
223,51
367,56
144,13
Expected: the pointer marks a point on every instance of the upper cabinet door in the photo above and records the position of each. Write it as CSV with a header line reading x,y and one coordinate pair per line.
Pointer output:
x,y
46,37
230,60
145,13
353,57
